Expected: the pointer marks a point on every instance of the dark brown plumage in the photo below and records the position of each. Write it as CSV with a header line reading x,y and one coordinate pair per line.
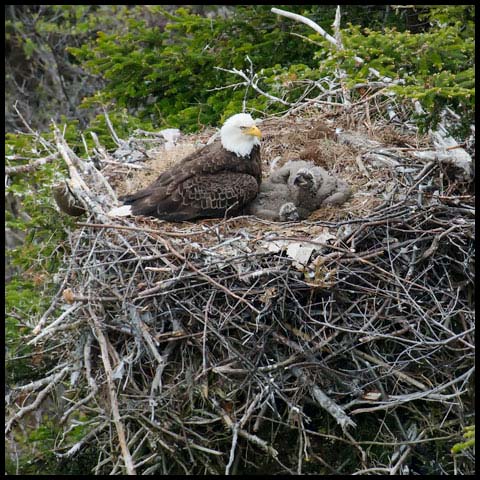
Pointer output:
x,y
220,178
204,184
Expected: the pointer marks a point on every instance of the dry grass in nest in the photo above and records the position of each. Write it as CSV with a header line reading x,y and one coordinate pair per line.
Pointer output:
x,y
159,161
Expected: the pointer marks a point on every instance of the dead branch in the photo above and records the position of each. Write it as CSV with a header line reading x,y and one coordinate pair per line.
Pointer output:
x,y
34,165
127,458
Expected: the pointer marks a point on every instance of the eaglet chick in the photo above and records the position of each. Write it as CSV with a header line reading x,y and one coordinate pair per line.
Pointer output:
x,y
297,189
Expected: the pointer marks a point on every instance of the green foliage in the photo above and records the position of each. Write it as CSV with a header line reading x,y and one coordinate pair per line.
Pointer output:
x,y
168,76
157,66
437,65
40,443
43,457
40,253
469,436
39,219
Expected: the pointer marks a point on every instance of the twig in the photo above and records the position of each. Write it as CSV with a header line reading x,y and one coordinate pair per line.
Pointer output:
x,y
33,165
325,402
127,458
52,381
313,25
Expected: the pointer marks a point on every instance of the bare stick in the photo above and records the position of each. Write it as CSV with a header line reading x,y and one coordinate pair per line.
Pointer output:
x,y
127,458
52,381
326,402
311,24
30,166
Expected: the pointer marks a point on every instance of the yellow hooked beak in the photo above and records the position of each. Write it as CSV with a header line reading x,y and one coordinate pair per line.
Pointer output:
x,y
253,131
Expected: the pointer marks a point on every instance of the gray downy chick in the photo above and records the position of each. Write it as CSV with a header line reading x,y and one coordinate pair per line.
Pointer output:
x,y
297,189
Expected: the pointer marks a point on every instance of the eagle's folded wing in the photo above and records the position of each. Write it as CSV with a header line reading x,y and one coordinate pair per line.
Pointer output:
x,y
210,160
201,196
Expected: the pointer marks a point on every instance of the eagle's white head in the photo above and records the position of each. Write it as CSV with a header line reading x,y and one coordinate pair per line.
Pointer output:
x,y
239,134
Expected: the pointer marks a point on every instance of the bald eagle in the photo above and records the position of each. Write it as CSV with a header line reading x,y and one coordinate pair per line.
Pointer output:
x,y
220,178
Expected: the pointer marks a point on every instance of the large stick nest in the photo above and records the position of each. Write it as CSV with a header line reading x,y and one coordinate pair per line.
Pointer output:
x,y
239,345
